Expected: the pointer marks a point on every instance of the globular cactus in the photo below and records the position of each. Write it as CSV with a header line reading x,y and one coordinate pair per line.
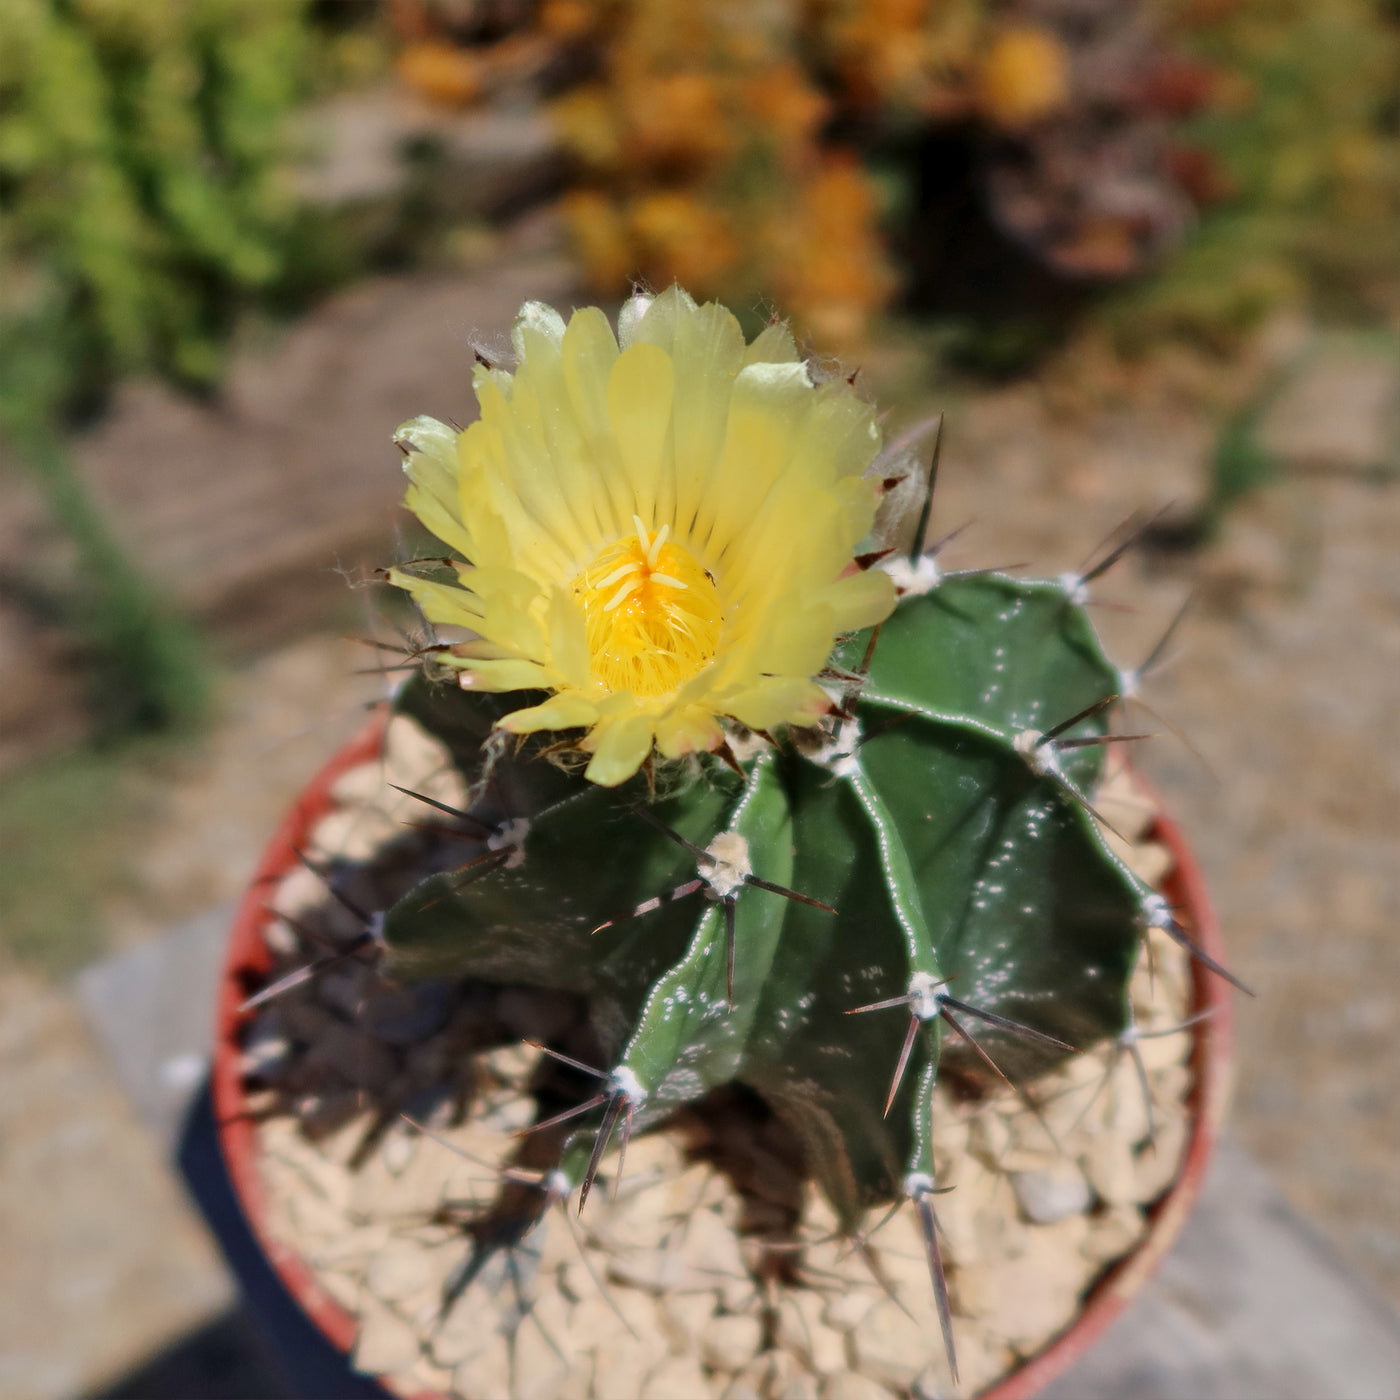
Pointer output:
x,y
825,778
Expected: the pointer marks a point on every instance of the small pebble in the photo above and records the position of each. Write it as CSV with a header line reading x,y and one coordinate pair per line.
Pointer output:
x,y
729,1343
890,1347
851,1385
385,1341
677,1378
1052,1193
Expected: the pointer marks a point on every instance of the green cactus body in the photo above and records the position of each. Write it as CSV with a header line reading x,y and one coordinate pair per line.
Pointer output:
x,y
833,840
947,837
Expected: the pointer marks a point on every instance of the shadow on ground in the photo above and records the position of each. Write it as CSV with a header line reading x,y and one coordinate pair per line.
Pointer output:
x,y
223,1360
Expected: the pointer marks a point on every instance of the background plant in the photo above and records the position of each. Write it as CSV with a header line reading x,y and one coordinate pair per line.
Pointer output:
x,y
144,210
845,155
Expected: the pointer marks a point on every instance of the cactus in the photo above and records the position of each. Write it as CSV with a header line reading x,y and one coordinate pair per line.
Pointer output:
x,y
730,887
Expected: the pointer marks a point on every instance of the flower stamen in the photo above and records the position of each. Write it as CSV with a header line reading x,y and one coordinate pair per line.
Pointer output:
x,y
659,625
617,575
622,594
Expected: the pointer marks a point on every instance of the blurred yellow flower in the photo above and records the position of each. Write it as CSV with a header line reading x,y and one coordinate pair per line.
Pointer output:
x,y
656,528
785,107
829,266
682,238
1025,77
675,121
601,239
441,72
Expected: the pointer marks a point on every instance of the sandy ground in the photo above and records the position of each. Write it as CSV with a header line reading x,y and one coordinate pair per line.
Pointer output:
x,y
1287,679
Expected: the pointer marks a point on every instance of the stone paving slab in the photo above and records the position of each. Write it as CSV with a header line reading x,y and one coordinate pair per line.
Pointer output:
x,y
1252,1304
153,1008
102,1260
1341,410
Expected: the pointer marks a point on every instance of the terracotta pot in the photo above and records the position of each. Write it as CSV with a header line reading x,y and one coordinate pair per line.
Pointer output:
x,y
249,960
1211,1058
248,963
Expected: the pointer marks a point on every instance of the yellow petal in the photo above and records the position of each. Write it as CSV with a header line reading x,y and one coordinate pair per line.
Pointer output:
x,y
619,747
691,729
508,603
639,393
779,700
707,349
428,438
634,309
838,435
535,319
859,600
560,712
568,637
765,409
508,675
773,345
590,354
430,463
662,317
858,497
518,475
792,641
440,602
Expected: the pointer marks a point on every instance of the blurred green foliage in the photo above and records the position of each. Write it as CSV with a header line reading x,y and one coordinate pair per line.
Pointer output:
x,y
1305,127
1240,464
145,665
88,801
143,209
140,196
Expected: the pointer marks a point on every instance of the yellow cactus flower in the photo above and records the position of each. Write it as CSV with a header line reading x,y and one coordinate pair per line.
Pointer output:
x,y
657,528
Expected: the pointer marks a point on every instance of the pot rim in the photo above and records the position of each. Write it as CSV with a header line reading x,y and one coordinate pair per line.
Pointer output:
x,y
1211,1055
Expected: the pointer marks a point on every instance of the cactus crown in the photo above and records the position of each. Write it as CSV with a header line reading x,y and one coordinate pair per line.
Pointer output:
x,y
914,843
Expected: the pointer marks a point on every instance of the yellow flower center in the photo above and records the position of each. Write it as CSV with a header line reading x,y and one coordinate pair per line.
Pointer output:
x,y
652,611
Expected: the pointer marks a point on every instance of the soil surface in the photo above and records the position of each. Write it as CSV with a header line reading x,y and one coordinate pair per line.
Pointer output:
x,y
1285,676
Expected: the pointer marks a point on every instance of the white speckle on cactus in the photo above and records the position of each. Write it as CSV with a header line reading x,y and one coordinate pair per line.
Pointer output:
x,y
680,1085
923,995
511,837
745,745
1042,759
918,1184
730,853
1076,589
1155,912
623,1081
912,580
838,753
